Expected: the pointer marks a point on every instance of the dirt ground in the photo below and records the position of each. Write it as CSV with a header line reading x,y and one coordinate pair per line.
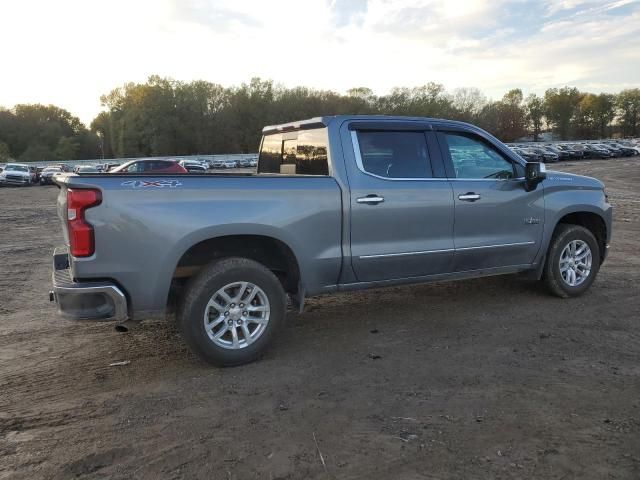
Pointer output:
x,y
489,378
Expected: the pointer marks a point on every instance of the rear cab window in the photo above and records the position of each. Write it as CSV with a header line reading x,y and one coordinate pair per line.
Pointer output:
x,y
301,152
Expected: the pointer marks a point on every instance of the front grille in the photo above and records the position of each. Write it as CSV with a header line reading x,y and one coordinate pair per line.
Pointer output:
x,y
16,178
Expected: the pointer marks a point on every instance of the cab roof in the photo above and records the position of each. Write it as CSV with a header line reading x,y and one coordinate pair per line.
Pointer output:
x,y
324,121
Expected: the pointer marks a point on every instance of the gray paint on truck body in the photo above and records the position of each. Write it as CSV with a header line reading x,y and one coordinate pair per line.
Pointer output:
x,y
420,233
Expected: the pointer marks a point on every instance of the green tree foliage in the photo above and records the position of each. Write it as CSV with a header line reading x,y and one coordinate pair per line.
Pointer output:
x,y
5,154
167,117
535,113
36,153
468,103
66,149
512,116
628,103
560,108
604,113
593,115
40,132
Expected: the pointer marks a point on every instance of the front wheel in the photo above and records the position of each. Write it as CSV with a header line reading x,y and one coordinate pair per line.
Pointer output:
x,y
231,311
573,261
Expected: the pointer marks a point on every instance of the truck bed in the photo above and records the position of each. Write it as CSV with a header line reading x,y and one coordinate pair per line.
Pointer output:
x,y
145,224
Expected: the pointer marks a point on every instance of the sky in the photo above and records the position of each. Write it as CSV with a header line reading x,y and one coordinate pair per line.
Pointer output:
x,y
69,52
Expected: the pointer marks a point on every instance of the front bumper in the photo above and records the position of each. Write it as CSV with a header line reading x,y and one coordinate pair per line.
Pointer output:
x,y
15,181
92,300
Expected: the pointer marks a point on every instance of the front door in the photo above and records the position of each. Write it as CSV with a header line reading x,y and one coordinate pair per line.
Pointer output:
x,y
497,222
401,216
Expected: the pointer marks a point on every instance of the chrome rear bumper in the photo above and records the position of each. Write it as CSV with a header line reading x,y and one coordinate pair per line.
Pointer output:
x,y
91,300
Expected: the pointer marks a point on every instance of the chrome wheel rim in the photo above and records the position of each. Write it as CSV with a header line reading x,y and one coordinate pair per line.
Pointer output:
x,y
575,262
236,315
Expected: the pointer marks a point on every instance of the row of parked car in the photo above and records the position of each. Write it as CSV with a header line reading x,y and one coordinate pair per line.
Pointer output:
x,y
557,151
26,174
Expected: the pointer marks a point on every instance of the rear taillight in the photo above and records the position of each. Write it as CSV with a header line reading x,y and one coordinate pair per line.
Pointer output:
x,y
81,241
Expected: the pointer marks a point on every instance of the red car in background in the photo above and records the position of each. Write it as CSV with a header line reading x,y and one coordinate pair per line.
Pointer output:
x,y
150,166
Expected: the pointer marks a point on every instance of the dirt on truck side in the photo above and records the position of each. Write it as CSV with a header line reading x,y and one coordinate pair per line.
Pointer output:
x,y
489,378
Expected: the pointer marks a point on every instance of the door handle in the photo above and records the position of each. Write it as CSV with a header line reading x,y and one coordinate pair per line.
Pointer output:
x,y
469,197
370,199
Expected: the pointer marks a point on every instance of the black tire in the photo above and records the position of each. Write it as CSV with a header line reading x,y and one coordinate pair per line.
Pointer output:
x,y
203,286
563,235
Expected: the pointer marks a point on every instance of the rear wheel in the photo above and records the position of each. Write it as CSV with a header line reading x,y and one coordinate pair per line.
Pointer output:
x,y
231,311
573,261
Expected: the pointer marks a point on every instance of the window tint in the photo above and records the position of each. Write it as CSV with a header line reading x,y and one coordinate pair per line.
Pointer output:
x,y
270,156
473,158
395,154
295,153
311,152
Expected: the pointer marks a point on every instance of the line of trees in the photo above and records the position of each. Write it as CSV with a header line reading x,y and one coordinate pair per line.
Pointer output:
x,y
44,132
167,117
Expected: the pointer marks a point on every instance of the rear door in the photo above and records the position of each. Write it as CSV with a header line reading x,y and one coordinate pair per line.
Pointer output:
x,y
497,222
401,204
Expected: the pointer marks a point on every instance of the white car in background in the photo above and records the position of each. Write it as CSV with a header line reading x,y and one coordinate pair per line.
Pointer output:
x,y
86,169
224,164
17,174
193,166
46,177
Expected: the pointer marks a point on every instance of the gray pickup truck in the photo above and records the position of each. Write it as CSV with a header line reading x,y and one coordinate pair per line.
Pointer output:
x,y
338,203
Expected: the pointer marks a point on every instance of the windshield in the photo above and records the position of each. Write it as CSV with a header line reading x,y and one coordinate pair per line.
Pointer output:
x,y
121,167
17,168
52,169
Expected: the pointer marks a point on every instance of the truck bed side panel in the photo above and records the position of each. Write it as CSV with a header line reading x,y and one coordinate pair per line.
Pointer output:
x,y
142,230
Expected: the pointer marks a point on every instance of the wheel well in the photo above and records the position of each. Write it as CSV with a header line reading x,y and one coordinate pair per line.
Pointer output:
x,y
592,222
270,252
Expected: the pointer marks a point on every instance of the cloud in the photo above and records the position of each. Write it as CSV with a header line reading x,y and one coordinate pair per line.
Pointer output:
x,y
71,51
345,12
218,19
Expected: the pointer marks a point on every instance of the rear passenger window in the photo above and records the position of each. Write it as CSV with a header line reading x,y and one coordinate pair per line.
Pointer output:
x,y
395,154
295,153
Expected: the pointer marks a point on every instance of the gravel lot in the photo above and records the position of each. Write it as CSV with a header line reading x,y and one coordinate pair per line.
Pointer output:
x,y
489,378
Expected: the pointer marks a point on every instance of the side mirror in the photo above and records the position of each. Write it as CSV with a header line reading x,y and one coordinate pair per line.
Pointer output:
x,y
534,173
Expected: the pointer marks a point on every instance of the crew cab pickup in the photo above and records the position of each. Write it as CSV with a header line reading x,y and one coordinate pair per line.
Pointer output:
x,y
338,203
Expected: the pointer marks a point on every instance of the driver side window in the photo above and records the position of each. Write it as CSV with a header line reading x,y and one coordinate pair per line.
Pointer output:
x,y
472,158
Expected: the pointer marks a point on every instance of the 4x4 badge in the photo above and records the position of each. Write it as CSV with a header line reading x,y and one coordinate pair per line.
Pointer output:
x,y
151,183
